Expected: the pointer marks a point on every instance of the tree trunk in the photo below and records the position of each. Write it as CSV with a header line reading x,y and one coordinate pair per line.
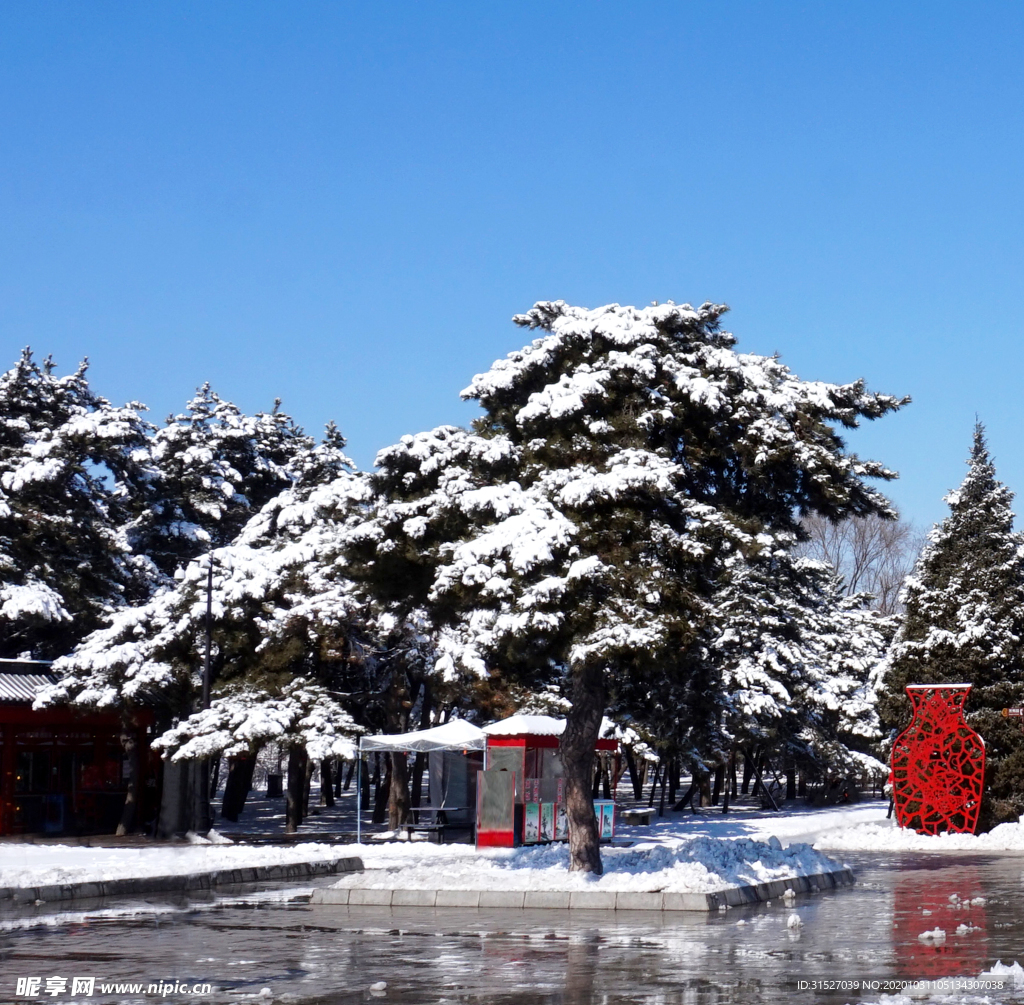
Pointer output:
x,y
716,791
326,783
174,792
730,780
398,797
686,798
748,769
382,793
654,783
307,783
130,745
582,728
297,759
202,819
635,778
237,786
348,776
705,790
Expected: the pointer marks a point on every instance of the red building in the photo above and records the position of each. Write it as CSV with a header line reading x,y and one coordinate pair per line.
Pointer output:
x,y
61,771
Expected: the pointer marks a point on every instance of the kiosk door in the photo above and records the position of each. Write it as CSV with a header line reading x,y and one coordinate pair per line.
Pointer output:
x,y
495,808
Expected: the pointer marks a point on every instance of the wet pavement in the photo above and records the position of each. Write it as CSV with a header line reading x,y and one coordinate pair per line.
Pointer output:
x,y
860,942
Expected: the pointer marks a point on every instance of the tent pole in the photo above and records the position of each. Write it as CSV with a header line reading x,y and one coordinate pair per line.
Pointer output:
x,y
359,790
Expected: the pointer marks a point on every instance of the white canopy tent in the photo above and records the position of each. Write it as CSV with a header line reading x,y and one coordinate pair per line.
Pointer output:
x,y
456,734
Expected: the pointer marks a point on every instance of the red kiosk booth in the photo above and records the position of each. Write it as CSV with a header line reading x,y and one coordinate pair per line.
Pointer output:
x,y
520,796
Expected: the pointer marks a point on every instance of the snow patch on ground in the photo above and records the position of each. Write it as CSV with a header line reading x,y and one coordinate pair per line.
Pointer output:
x,y
696,864
24,865
887,836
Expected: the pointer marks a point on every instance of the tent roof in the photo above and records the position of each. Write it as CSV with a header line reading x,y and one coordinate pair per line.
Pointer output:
x,y
454,735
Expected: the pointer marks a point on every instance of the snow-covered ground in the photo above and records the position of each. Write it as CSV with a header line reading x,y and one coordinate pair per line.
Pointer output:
x,y
677,852
860,827
695,864
24,865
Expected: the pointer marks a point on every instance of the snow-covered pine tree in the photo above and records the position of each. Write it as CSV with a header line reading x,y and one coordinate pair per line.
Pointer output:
x,y
964,622
68,461
212,468
283,610
783,671
394,557
627,453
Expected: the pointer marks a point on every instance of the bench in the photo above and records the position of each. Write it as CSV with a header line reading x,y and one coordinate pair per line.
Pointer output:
x,y
638,816
436,822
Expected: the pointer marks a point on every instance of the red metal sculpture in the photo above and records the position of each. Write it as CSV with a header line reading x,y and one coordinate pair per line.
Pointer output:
x,y
938,763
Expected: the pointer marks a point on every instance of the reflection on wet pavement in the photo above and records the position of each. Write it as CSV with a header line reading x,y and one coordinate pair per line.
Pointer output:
x,y
885,927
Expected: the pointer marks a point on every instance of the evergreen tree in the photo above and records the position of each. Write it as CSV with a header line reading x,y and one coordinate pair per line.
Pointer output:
x,y
69,461
783,668
624,456
211,469
964,623
286,626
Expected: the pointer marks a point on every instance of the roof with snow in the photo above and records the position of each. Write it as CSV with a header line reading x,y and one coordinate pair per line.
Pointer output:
x,y
526,725
454,735
20,679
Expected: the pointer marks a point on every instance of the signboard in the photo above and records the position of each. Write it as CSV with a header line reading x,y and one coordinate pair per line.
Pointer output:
x,y
531,823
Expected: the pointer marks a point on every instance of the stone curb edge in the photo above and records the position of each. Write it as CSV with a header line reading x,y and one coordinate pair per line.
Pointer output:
x,y
594,900
176,884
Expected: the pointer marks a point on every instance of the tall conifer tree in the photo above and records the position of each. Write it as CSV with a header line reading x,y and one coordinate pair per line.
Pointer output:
x,y
211,468
620,458
68,460
964,623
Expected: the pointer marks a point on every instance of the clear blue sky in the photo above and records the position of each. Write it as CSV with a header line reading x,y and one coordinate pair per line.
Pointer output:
x,y
343,204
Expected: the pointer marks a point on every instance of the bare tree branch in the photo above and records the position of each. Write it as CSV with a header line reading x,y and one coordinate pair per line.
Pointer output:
x,y
871,554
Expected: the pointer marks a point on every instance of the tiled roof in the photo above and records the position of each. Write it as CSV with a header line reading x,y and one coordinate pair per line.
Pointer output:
x,y
20,679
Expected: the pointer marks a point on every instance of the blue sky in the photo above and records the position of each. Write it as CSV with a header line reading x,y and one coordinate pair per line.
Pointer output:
x,y
343,204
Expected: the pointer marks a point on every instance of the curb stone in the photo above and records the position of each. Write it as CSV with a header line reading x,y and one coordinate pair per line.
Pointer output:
x,y
589,900
176,884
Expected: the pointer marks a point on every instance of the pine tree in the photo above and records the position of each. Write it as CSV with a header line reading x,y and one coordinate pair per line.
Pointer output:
x,y
625,454
964,623
68,464
796,660
211,469
286,624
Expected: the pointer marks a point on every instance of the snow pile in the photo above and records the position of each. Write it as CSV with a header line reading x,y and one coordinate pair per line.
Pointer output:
x,y
890,837
683,865
1013,974
54,865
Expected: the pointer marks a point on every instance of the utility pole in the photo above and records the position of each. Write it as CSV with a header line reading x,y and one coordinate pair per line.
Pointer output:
x,y
209,632
203,815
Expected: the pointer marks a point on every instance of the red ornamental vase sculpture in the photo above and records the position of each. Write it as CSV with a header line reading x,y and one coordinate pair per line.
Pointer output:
x,y
938,763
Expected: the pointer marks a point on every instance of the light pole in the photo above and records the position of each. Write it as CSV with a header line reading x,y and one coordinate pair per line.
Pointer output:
x,y
204,816
209,630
